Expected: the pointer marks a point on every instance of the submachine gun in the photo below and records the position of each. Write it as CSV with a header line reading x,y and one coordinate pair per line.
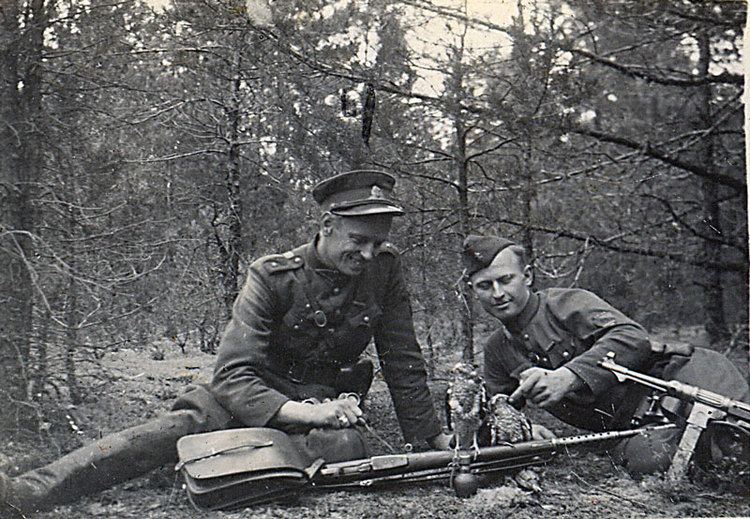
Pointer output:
x,y
706,408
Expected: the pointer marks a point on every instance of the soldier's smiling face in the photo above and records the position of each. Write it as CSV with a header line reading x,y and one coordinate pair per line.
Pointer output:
x,y
347,243
503,287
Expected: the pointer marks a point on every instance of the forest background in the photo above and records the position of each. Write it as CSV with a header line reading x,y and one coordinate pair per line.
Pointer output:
x,y
149,152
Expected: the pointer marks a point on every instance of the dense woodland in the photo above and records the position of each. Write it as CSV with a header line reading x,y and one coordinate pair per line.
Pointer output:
x,y
150,152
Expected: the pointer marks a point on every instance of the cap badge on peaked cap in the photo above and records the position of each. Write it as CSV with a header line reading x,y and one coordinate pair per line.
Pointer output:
x,y
358,193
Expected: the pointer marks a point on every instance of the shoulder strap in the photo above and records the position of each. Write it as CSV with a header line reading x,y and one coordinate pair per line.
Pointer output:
x,y
288,261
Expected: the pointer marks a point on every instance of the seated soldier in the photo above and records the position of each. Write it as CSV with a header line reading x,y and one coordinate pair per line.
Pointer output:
x,y
298,328
550,342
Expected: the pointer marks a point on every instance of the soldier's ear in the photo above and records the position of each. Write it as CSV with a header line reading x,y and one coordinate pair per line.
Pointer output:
x,y
326,223
528,275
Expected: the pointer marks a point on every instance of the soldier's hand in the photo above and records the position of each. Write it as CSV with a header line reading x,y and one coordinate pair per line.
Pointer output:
x,y
337,414
540,432
546,387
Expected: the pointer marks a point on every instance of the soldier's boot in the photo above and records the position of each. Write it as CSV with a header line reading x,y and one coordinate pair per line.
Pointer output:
x,y
114,459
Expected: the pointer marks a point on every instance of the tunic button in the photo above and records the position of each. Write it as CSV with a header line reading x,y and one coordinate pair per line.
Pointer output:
x,y
336,290
526,336
297,259
296,327
274,264
307,306
566,354
366,319
545,360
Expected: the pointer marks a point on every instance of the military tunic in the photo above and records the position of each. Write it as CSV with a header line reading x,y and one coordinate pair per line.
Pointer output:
x,y
576,329
296,322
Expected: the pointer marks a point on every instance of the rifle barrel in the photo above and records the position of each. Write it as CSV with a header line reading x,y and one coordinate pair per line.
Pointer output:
x,y
436,473
401,465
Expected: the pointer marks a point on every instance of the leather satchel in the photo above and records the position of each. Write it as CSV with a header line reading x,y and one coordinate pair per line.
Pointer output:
x,y
236,468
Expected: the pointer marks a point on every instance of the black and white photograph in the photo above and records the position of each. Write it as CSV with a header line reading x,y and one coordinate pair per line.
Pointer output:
x,y
307,259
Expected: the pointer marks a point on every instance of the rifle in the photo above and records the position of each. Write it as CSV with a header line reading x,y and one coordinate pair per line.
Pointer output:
x,y
707,406
461,469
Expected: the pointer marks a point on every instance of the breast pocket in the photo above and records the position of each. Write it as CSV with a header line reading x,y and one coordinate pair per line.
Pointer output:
x,y
366,318
300,332
561,351
300,321
556,345
354,335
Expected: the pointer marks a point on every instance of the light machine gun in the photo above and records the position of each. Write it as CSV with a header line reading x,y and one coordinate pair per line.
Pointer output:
x,y
463,471
707,407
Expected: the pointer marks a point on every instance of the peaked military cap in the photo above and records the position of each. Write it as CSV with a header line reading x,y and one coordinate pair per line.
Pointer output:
x,y
357,193
479,251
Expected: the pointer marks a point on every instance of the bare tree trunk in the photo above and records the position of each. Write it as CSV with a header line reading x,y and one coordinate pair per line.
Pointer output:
x,y
429,307
234,242
529,192
461,165
20,167
711,279
467,310
40,369
228,214
71,342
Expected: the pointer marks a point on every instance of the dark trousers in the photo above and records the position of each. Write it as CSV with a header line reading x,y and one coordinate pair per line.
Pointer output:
x,y
121,456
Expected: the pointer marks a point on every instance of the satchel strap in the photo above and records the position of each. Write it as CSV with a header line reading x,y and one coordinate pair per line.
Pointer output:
x,y
314,468
250,445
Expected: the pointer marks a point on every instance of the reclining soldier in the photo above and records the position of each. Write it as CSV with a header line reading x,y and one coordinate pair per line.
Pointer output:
x,y
550,342
298,328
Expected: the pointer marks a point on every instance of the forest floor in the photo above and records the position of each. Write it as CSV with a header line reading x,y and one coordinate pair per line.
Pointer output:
x,y
575,485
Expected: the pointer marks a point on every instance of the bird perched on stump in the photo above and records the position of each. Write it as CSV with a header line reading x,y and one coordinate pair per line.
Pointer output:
x,y
508,425
465,400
